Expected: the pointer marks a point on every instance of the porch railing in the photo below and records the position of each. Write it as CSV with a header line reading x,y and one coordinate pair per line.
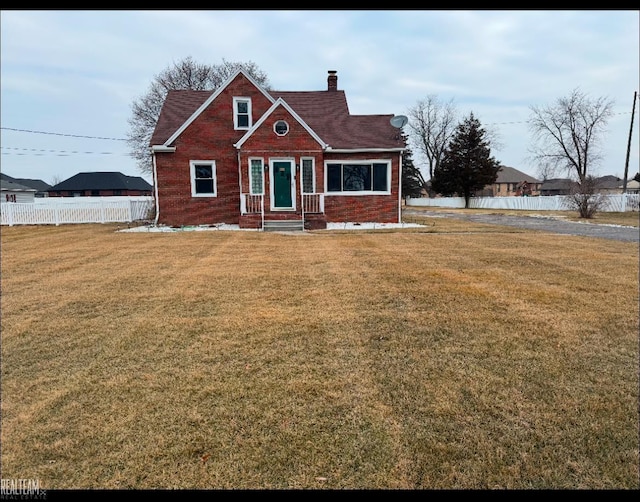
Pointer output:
x,y
251,204
313,203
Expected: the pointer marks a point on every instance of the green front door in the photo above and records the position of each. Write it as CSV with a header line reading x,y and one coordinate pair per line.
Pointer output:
x,y
282,184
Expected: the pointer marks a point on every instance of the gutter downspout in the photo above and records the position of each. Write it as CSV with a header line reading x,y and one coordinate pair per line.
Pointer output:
x,y
240,180
155,187
400,188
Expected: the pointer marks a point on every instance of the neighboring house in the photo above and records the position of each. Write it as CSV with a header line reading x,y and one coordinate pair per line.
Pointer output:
x,y
609,185
633,186
511,183
40,186
101,184
16,192
562,186
255,157
556,186
514,183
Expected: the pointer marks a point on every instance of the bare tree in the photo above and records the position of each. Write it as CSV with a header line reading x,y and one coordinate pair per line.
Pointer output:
x,y
547,170
585,197
432,124
567,134
55,179
185,74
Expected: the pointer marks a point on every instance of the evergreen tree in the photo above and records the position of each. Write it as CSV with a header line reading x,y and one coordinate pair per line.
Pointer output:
x,y
467,165
412,180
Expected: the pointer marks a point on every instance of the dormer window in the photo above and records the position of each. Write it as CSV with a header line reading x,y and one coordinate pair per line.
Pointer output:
x,y
281,128
241,113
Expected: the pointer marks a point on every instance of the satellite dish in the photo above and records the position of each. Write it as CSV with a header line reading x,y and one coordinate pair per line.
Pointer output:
x,y
399,121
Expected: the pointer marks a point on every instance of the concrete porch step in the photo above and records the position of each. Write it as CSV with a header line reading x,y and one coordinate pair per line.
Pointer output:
x,y
283,225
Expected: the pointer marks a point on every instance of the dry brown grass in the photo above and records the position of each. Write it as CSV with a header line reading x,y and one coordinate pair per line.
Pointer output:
x,y
426,358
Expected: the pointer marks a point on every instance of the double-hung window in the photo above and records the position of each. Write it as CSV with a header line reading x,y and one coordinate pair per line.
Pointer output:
x,y
242,113
203,178
359,178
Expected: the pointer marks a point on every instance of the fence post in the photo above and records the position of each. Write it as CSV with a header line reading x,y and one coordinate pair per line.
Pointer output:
x,y
624,202
130,210
10,214
56,216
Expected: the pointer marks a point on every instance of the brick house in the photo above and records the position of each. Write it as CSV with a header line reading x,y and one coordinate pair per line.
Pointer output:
x,y
264,159
512,183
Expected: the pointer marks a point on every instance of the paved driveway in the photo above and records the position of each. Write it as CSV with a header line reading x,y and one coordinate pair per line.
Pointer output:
x,y
613,232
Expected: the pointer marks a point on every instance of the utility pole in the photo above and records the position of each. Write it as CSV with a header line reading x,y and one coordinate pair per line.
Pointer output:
x,y
626,164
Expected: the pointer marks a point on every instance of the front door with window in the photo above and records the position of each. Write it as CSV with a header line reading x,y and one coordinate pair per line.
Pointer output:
x,y
283,185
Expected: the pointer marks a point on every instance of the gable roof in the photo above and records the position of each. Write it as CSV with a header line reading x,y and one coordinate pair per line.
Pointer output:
x,y
214,95
14,186
273,107
603,182
512,175
102,181
557,184
38,185
609,181
325,112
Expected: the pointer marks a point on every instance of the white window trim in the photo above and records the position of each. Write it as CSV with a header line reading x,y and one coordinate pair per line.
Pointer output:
x,y
192,168
285,123
251,159
360,192
272,184
237,100
313,172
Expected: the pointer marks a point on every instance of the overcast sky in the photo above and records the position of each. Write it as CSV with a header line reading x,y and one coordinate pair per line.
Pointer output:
x,y
69,78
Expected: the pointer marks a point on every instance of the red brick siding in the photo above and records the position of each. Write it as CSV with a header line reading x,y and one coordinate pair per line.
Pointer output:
x,y
364,208
211,137
266,144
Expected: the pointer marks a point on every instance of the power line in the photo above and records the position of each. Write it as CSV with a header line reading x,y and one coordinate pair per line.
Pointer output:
x,y
59,153
124,139
61,134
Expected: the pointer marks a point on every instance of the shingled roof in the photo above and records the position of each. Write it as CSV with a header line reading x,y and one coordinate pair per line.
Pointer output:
x,y
325,112
102,180
512,175
6,184
557,184
38,185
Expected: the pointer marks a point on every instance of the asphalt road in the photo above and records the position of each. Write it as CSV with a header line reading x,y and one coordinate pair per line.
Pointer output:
x,y
618,233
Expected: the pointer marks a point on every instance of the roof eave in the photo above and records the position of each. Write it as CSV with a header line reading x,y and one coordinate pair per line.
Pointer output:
x,y
163,149
261,120
364,150
213,96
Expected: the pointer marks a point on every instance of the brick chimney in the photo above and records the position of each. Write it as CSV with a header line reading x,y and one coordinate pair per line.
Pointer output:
x,y
332,81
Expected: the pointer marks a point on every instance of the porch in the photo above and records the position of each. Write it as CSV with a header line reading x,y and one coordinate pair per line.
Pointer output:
x,y
309,216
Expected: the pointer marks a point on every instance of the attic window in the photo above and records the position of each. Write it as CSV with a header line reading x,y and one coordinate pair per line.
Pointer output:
x,y
241,113
281,128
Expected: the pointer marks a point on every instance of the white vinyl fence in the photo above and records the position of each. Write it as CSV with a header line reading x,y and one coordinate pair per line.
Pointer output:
x,y
613,203
60,210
